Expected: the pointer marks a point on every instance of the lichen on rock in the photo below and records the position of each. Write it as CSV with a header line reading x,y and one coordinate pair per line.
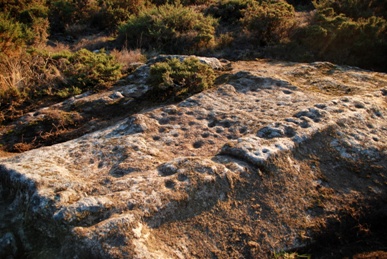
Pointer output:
x,y
267,161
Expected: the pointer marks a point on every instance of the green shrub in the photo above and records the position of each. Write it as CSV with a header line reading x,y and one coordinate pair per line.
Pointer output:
x,y
62,13
112,13
229,11
183,2
341,39
88,70
355,8
269,22
12,36
68,92
177,78
39,75
301,5
22,23
66,14
195,2
173,29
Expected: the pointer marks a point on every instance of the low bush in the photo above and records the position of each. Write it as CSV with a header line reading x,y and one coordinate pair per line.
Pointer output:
x,y
229,11
269,22
88,70
38,76
64,14
180,78
196,2
112,13
341,39
22,23
355,8
168,28
183,2
12,36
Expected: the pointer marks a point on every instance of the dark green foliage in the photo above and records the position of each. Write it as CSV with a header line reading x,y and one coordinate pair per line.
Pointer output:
x,y
301,4
341,39
62,13
183,2
68,13
355,8
37,75
173,29
229,11
87,70
176,78
100,14
111,13
269,22
12,35
195,2
22,23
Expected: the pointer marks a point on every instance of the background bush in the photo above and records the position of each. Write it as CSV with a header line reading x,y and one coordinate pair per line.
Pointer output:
x,y
346,40
169,28
65,15
269,22
112,13
183,2
22,23
12,36
229,11
355,8
68,15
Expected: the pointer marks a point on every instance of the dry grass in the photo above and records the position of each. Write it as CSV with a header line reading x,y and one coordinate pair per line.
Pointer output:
x,y
18,75
15,75
56,46
11,74
127,57
22,76
93,42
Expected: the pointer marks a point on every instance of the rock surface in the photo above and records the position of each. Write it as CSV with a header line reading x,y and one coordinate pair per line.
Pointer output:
x,y
272,157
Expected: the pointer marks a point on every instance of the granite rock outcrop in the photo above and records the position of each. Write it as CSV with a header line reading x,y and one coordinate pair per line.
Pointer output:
x,y
274,156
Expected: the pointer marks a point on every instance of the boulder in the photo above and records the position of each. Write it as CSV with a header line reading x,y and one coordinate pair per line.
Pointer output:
x,y
262,163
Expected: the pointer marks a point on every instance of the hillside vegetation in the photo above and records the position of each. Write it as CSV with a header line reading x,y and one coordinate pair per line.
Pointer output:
x,y
52,50
193,129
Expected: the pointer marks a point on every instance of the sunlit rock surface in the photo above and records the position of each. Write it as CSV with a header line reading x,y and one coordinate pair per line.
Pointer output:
x,y
268,160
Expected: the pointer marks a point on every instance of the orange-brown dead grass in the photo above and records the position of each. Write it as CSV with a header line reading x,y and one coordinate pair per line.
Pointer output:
x,y
93,42
24,74
12,75
126,57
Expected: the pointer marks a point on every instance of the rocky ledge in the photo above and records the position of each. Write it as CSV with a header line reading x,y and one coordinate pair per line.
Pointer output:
x,y
276,157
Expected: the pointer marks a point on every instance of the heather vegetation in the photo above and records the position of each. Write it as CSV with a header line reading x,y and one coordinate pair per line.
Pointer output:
x,y
38,77
347,32
42,60
169,28
179,78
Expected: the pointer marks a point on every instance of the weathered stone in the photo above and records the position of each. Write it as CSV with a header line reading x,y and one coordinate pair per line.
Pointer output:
x,y
212,62
257,164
